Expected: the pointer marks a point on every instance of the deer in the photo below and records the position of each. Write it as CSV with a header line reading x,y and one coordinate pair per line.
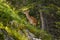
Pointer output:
x,y
32,20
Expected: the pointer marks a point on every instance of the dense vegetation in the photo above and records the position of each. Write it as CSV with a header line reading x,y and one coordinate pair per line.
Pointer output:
x,y
14,24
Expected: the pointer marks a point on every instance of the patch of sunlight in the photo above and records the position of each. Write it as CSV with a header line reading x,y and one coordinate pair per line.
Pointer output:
x,y
24,38
15,33
24,9
2,0
8,30
6,5
1,26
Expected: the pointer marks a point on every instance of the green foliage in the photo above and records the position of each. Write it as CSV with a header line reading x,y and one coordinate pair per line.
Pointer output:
x,y
8,13
1,36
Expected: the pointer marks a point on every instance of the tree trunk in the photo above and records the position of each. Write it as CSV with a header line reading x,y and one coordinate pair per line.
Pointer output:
x,y
42,21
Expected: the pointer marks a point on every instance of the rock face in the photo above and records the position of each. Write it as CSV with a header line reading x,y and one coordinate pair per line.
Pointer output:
x,y
31,36
36,39
5,35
